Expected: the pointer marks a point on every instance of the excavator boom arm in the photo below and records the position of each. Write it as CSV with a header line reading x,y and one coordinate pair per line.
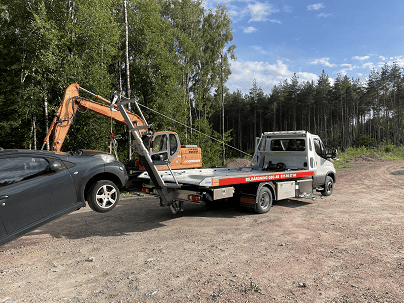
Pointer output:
x,y
64,117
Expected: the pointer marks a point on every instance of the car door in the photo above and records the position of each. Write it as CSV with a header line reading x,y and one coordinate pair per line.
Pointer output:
x,y
30,191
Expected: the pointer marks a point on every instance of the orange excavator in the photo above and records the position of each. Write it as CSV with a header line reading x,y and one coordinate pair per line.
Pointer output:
x,y
164,146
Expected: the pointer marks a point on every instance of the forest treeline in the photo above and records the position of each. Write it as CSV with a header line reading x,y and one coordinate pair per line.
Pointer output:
x,y
178,57
345,112
179,62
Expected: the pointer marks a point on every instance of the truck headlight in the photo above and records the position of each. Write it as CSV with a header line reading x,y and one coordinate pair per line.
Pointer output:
x,y
106,158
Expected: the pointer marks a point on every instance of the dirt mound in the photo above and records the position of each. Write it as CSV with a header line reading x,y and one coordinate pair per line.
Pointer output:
x,y
238,163
369,158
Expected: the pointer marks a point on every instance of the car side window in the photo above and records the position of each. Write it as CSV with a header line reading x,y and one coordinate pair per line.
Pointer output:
x,y
17,169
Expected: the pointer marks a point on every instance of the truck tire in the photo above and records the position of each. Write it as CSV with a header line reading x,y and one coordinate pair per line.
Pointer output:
x,y
263,200
328,186
103,196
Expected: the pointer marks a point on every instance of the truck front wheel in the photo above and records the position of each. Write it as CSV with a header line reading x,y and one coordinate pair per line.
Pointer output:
x,y
263,200
328,186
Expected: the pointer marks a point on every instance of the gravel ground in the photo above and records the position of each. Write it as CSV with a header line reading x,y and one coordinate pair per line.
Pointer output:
x,y
344,248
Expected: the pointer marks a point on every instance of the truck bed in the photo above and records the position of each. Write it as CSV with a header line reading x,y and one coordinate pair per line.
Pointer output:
x,y
215,177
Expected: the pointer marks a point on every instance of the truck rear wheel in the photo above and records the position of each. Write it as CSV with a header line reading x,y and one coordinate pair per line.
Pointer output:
x,y
263,200
328,186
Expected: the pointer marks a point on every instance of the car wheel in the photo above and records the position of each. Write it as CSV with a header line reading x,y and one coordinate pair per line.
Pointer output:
x,y
103,196
328,186
263,200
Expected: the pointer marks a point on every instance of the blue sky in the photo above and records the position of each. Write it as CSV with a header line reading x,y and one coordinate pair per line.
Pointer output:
x,y
278,38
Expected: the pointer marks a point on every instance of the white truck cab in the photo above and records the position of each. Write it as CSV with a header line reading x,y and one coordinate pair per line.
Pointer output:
x,y
296,150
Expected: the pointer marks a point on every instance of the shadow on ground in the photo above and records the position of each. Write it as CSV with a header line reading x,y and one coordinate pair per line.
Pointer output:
x,y
134,215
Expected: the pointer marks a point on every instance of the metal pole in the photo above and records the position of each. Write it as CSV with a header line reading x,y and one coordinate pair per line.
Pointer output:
x,y
221,80
127,74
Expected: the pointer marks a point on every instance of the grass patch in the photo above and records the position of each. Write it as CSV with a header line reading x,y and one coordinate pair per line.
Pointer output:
x,y
386,152
125,194
253,288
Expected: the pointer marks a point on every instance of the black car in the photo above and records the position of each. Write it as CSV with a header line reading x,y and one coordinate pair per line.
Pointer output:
x,y
39,186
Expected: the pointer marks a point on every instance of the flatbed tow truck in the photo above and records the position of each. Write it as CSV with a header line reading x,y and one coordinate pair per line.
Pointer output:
x,y
285,164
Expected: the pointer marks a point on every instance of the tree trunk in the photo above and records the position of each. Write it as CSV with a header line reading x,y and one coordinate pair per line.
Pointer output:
x,y
33,134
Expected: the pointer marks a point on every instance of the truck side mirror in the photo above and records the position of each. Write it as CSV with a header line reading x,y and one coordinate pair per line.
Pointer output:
x,y
334,154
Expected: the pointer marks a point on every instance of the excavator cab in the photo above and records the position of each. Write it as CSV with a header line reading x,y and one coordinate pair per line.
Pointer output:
x,y
164,146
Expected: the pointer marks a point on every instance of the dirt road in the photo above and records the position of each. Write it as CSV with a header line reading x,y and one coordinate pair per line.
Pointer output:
x,y
344,248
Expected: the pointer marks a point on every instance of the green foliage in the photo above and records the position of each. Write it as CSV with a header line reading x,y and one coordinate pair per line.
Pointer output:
x,y
389,148
386,152
365,141
252,288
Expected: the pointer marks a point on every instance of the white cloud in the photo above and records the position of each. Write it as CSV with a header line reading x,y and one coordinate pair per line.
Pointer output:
x,y
315,7
275,21
257,11
347,67
249,30
267,75
259,49
287,8
323,61
325,15
260,11
361,58
369,65
399,60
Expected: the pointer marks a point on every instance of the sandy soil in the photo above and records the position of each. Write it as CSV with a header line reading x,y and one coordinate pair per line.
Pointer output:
x,y
344,248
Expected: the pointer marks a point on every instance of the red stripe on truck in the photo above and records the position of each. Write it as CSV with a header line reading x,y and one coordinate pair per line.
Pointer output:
x,y
261,178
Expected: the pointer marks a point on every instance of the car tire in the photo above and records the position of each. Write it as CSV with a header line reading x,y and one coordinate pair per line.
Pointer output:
x,y
103,196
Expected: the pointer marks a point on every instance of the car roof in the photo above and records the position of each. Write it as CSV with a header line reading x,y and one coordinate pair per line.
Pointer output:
x,y
5,152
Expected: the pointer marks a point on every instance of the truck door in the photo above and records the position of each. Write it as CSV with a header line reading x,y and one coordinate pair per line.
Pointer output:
x,y
323,165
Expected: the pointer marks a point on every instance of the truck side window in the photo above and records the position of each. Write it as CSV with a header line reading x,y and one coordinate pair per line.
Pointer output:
x,y
173,144
14,170
318,146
